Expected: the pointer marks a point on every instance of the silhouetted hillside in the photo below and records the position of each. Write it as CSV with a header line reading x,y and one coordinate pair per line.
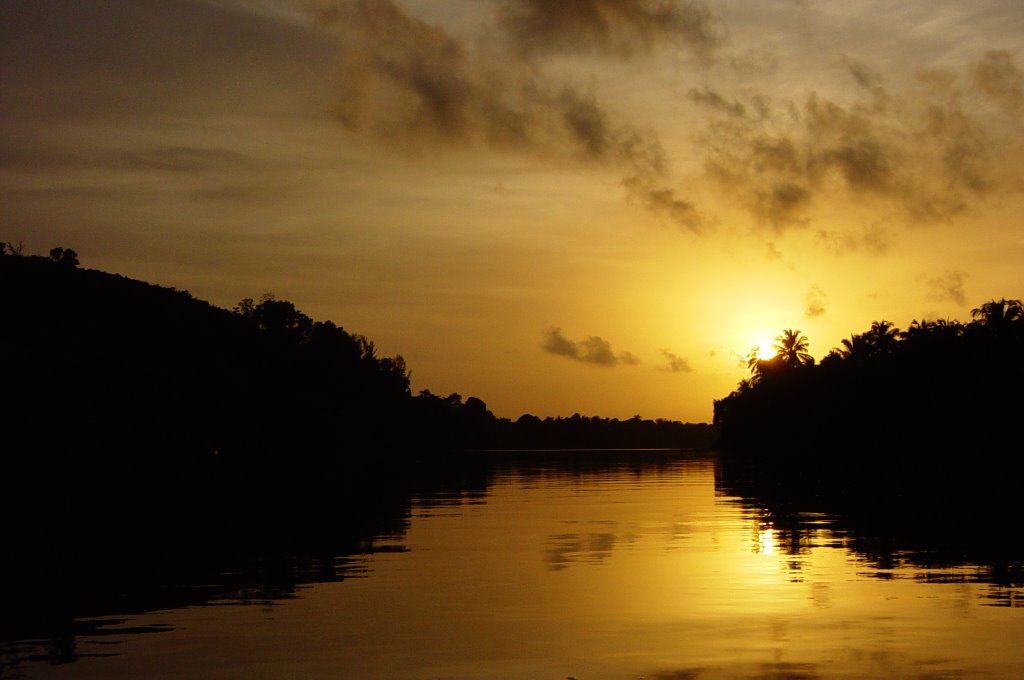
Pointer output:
x,y
129,395
151,437
140,416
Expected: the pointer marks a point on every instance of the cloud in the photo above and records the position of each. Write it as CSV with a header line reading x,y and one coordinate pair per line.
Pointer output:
x,y
592,350
395,63
925,154
620,28
771,252
414,85
514,83
873,238
716,101
999,79
664,200
815,303
948,286
869,80
675,363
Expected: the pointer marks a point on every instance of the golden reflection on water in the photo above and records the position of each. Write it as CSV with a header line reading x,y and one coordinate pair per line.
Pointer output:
x,y
597,575
764,544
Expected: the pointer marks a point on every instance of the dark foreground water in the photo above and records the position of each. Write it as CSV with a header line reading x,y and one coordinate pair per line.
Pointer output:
x,y
608,571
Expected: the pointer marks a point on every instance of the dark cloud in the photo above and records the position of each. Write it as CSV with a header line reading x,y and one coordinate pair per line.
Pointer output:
x,y
394,62
924,155
675,363
815,303
846,141
872,238
754,671
664,200
947,287
870,81
592,350
556,343
586,123
716,101
998,78
415,85
618,28
781,204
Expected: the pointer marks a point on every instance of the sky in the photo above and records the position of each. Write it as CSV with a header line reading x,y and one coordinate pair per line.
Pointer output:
x,y
592,206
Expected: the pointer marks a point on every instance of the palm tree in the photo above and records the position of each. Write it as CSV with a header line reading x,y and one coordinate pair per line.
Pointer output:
x,y
758,367
882,336
791,347
999,316
856,348
932,333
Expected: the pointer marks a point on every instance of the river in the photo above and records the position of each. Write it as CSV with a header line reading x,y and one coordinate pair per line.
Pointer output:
x,y
599,571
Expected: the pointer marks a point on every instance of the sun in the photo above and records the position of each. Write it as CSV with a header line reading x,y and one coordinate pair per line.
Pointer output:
x,y
762,342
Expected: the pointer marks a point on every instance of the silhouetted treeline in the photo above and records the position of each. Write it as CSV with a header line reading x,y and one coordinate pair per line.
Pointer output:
x,y
138,405
456,424
139,420
934,409
150,437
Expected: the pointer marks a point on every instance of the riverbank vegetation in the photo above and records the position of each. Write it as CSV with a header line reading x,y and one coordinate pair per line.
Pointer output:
x,y
148,434
930,411
141,403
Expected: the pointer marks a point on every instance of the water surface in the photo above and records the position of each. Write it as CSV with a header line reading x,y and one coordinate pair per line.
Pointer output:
x,y
617,571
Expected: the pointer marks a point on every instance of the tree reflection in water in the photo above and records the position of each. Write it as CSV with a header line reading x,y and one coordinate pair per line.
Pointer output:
x,y
785,531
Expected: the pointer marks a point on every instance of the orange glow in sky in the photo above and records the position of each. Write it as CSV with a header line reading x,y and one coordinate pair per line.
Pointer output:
x,y
556,212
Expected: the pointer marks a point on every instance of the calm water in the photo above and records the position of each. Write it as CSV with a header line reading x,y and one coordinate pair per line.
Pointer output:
x,y
617,572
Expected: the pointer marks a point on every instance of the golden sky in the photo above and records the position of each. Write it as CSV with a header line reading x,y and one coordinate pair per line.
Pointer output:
x,y
592,206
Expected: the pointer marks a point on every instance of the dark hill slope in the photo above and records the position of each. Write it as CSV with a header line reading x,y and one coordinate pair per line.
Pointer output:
x,y
138,412
99,359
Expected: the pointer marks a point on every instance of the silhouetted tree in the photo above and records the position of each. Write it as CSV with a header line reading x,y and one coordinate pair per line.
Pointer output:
x,y
884,393
999,316
791,346
11,249
856,348
790,352
882,337
279,317
64,256
927,330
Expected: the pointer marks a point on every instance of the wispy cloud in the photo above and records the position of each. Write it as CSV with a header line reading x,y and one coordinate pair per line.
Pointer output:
x,y
997,77
415,85
924,154
592,350
619,28
948,286
815,303
674,363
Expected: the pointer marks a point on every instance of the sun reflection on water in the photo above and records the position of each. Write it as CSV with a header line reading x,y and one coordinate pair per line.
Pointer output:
x,y
764,541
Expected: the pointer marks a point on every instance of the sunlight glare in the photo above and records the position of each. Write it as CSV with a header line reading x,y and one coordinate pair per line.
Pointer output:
x,y
762,342
764,543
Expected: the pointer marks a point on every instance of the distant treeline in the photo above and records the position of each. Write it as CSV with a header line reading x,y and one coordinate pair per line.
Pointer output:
x,y
455,424
935,408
